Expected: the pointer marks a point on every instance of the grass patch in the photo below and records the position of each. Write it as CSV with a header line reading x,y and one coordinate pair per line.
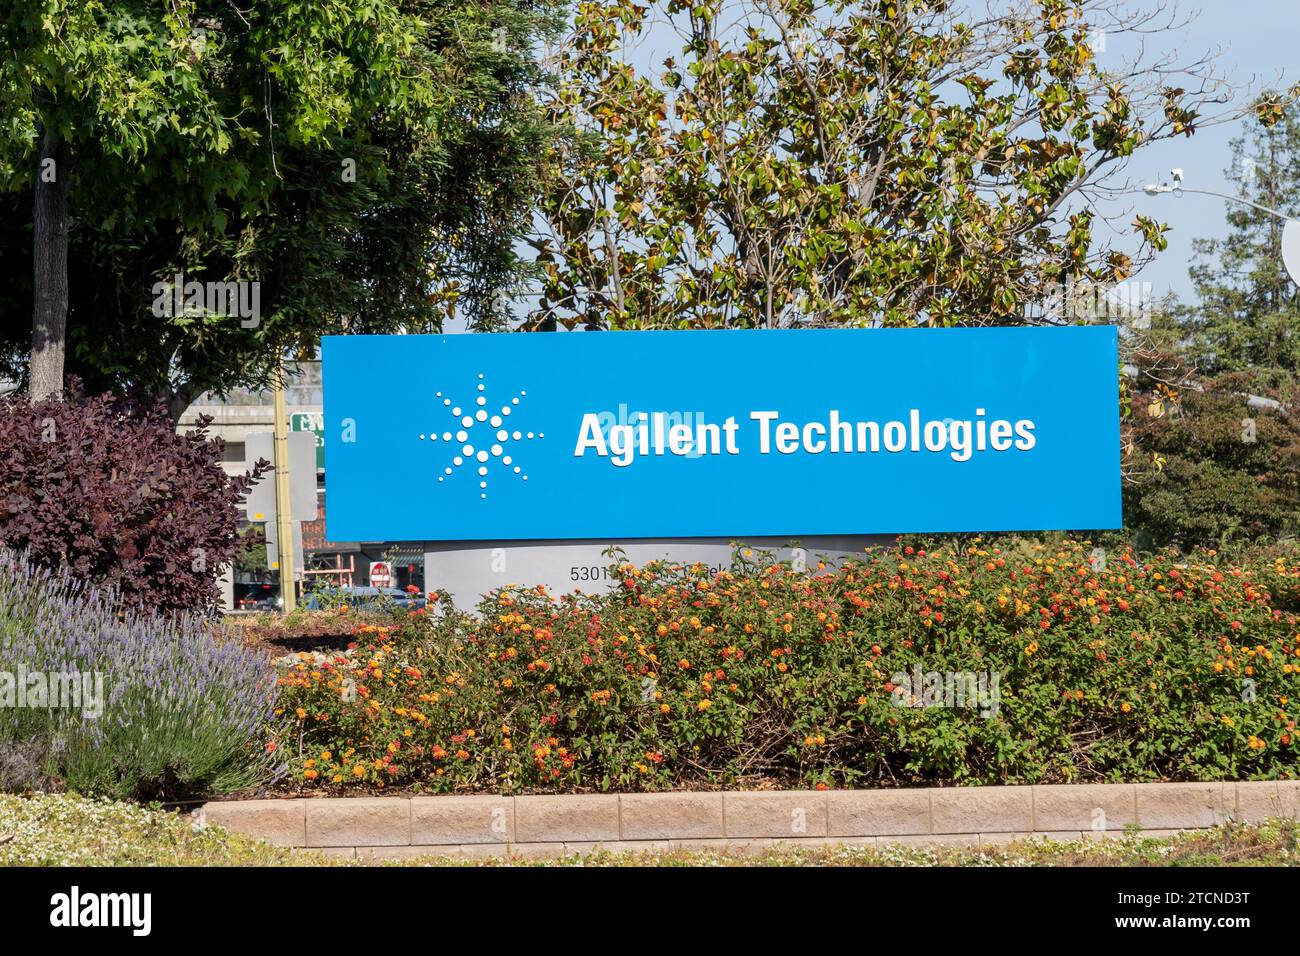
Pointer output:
x,y
70,830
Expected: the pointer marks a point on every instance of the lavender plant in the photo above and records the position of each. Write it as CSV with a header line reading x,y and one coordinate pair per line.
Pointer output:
x,y
176,711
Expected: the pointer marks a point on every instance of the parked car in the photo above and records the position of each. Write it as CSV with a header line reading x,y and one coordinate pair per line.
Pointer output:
x,y
363,597
262,597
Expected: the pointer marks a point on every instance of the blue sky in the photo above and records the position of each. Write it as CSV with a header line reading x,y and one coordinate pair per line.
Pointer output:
x,y
1253,38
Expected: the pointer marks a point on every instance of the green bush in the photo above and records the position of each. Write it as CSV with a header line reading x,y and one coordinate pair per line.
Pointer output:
x,y
1107,669
1216,472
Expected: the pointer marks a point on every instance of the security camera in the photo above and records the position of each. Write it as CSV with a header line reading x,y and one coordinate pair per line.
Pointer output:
x,y
1177,174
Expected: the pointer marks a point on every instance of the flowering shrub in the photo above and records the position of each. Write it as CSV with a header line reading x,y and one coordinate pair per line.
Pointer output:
x,y
1073,670
175,711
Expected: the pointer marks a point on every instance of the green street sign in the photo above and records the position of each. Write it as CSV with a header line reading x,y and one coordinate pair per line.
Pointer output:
x,y
313,422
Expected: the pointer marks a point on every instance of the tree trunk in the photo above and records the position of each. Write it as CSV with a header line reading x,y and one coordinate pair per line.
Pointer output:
x,y
180,398
50,271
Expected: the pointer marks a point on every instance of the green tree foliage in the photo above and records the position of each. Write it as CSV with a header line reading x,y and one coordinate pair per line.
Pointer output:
x,y
1221,459
370,164
882,161
1213,431
1248,310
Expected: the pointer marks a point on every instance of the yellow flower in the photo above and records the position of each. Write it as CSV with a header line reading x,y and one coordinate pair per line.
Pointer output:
x,y
1125,707
704,704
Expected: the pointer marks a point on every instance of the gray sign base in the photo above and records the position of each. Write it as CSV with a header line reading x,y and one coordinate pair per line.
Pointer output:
x,y
471,569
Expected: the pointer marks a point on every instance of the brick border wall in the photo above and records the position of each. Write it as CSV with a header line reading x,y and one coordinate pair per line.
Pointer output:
x,y
477,826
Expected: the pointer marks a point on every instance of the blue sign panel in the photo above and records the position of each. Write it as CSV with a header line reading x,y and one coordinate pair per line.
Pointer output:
x,y
729,433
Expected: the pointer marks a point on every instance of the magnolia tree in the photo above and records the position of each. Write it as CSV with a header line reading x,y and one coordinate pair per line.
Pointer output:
x,y
851,163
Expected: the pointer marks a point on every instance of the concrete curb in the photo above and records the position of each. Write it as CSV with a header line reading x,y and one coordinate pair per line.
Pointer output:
x,y
542,825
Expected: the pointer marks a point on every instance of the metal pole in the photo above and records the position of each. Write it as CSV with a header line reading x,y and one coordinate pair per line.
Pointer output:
x,y
1290,242
283,515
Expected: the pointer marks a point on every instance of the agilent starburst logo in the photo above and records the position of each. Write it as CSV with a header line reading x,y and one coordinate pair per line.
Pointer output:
x,y
481,437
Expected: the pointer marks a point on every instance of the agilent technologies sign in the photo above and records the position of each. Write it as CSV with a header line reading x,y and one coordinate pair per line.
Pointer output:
x,y
721,433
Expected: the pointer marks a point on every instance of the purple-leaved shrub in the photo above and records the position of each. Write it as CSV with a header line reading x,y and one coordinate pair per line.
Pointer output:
x,y
109,488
